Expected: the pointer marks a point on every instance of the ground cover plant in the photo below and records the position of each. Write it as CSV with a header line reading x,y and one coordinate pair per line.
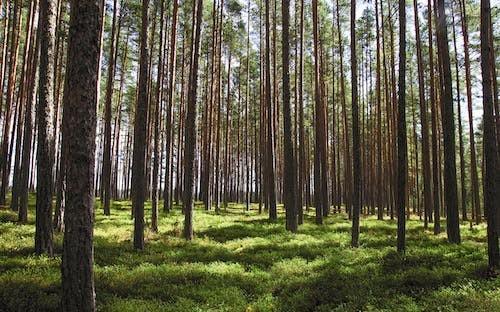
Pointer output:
x,y
240,261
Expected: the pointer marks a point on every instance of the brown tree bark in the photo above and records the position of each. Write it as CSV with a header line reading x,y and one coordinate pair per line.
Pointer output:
x,y
106,162
156,135
380,210
9,103
302,150
45,115
345,125
167,194
492,166
28,126
80,102
434,126
289,182
402,142
140,129
189,151
450,174
270,168
463,191
426,165
476,204
356,158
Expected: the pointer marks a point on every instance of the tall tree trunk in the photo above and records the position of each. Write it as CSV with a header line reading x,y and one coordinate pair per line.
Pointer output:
x,y
380,210
289,182
156,139
435,136
492,166
45,115
247,99
106,163
476,204
140,129
11,82
170,98
28,127
270,168
402,143
426,165
22,105
80,102
463,192
450,174
189,151
347,143
356,158
227,135
320,170
302,150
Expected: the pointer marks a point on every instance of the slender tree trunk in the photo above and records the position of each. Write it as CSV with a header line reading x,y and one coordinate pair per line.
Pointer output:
x,y
476,204
227,135
347,144
427,180
45,115
11,81
270,168
106,165
402,144
140,129
450,174
463,192
302,151
189,151
492,166
156,147
356,207
28,127
288,151
435,135
22,105
247,99
380,210
170,97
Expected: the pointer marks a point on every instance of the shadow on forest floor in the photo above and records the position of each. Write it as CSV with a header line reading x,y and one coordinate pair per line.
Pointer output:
x,y
241,261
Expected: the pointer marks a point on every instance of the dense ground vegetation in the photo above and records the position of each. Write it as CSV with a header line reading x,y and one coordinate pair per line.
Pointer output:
x,y
240,261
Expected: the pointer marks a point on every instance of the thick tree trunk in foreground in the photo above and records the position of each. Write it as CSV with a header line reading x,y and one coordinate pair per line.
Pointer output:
x,y
80,102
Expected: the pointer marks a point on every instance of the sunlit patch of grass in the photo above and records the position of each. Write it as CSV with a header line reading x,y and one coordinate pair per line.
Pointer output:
x,y
240,261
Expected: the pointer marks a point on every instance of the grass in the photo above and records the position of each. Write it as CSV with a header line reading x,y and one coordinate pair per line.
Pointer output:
x,y
240,261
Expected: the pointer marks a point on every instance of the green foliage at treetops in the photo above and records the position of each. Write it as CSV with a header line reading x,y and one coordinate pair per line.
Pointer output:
x,y
241,262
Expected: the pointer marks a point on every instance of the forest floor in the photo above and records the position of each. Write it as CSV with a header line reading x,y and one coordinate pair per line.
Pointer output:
x,y
239,261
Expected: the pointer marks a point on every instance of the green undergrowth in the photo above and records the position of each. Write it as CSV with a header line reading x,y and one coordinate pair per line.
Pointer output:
x,y
239,261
